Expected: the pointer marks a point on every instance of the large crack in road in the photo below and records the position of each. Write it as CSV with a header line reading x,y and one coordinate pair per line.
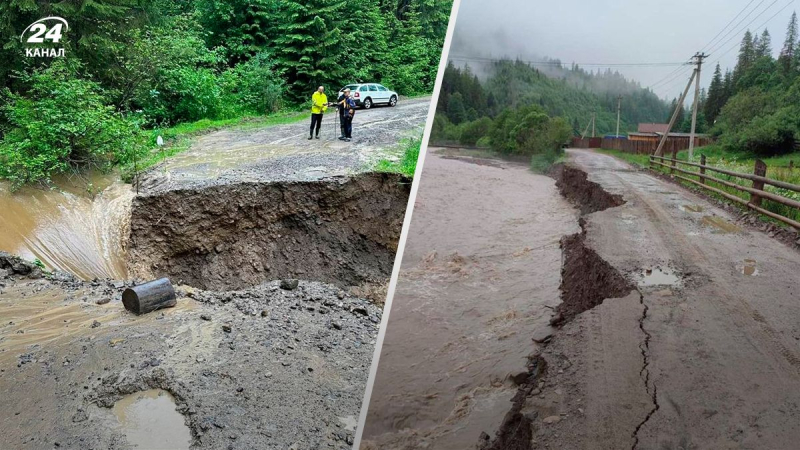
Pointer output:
x,y
702,354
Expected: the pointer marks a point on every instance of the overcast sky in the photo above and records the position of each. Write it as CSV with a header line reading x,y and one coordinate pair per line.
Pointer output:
x,y
618,31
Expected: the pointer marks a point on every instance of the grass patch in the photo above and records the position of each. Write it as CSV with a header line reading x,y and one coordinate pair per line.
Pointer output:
x,y
407,163
637,160
542,162
178,138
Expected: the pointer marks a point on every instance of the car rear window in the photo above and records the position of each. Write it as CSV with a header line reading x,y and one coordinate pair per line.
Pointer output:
x,y
352,87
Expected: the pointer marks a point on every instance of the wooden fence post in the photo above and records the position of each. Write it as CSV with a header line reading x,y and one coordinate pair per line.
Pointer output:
x,y
760,170
702,168
674,158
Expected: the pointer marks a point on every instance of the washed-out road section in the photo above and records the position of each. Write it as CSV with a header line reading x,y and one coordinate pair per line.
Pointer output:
x,y
702,350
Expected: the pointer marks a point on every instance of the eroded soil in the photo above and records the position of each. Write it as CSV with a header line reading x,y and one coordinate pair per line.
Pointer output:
x,y
701,353
480,271
259,368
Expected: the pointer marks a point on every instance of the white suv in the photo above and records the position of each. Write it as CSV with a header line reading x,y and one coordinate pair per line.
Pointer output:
x,y
368,94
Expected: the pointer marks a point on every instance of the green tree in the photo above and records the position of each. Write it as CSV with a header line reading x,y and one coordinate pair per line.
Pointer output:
x,y
764,47
788,55
716,96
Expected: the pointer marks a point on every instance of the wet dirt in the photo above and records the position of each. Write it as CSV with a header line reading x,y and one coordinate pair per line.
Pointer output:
x,y
720,225
340,230
150,421
68,228
264,367
712,361
480,273
260,363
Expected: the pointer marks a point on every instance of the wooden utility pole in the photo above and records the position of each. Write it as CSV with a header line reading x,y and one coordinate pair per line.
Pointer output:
x,y
619,108
698,57
594,116
659,150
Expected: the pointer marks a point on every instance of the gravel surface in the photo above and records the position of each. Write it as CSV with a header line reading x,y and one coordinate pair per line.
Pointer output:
x,y
284,153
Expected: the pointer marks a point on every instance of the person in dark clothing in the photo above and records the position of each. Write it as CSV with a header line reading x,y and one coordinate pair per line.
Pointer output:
x,y
340,106
349,110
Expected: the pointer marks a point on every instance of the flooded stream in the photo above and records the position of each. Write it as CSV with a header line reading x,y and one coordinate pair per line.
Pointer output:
x,y
480,272
67,227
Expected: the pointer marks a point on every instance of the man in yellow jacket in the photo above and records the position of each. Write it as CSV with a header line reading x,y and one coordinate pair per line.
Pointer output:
x,y
319,104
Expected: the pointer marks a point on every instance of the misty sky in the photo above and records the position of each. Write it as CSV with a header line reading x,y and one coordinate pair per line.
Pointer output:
x,y
617,31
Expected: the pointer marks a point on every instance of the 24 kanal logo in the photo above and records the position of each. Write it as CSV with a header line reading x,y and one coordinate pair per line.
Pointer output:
x,y
43,31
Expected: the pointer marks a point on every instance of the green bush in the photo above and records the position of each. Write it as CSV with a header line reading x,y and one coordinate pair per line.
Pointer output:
x,y
475,130
254,86
63,122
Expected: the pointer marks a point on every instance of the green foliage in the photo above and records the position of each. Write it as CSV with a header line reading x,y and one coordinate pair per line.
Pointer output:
x,y
407,164
62,123
473,131
167,62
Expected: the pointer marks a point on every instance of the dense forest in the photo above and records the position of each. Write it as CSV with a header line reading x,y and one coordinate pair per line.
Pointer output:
x,y
755,107
519,109
133,65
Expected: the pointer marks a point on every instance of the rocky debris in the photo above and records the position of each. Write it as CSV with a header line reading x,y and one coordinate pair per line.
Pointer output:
x,y
14,265
308,358
289,285
551,419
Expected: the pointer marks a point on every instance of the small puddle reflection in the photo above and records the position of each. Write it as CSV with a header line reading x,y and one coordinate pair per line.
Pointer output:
x,y
749,268
692,208
150,421
722,225
658,277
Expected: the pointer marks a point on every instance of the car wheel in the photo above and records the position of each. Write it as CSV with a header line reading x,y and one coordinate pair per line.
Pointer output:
x,y
367,103
393,100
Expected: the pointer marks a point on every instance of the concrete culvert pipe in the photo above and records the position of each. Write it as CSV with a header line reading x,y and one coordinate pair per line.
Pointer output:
x,y
150,296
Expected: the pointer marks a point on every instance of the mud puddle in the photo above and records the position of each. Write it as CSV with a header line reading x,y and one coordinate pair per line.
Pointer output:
x,y
68,227
658,276
479,284
150,421
692,208
720,225
749,267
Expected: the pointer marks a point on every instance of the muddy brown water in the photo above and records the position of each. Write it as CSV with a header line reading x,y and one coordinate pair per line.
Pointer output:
x,y
150,421
67,227
480,272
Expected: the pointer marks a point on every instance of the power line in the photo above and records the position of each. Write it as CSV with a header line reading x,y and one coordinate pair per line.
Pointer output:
x,y
726,26
670,76
758,28
719,46
560,63
733,30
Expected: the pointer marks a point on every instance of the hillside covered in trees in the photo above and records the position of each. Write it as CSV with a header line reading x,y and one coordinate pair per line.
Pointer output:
x,y
519,109
755,107
132,65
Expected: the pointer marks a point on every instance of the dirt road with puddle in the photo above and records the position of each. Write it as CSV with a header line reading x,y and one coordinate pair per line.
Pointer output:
x,y
695,342
480,271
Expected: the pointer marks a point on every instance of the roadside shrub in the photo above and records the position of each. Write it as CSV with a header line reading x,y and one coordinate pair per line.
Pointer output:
x,y
254,86
63,122
475,130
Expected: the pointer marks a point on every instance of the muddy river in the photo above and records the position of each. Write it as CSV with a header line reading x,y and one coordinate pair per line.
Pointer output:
x,y
78,226
480,274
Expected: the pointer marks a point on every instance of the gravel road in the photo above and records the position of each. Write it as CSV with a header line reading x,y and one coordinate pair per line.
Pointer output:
x,y
284,153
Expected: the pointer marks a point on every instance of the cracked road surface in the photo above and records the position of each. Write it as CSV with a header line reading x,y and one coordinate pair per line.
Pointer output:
x,y
706,354
284,153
